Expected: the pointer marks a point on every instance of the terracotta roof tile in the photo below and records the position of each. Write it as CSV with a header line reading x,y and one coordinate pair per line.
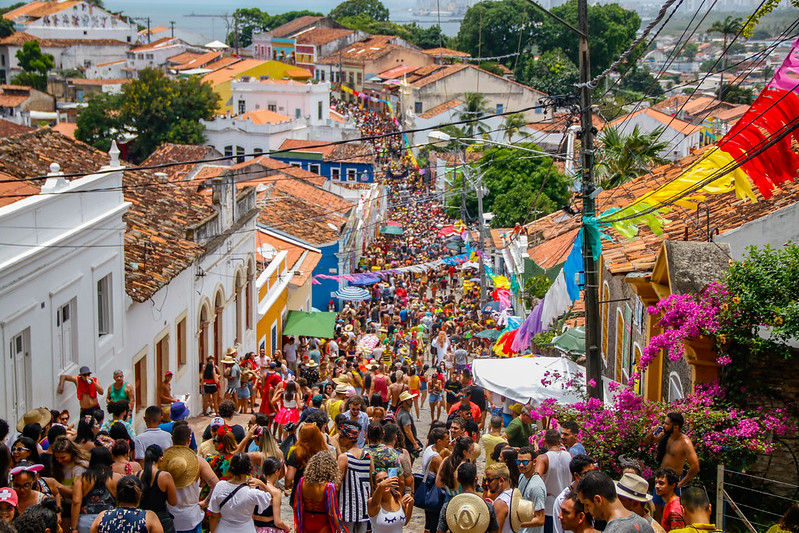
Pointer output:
x,y
351,152
446,106
158,220
9,129
437,52
397,72
174,153
278,169
265,116
19,38
66,128
319,36
11,191
160,43
35,10
110,81
294,26
197,61
368,49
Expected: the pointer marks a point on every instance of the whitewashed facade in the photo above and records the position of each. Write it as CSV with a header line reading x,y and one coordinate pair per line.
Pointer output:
x,y
62,290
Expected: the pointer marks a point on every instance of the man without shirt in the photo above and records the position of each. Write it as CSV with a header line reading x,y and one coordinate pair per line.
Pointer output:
x,y
598,494
553,467
673,451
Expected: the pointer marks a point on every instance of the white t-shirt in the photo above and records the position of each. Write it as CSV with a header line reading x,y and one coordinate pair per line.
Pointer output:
x,y
237,512
290,351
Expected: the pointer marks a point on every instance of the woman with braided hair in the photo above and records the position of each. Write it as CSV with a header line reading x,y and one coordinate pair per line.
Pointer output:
x,y
316,506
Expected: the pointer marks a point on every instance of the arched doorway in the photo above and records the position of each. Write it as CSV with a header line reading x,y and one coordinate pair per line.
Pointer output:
x,y
238,287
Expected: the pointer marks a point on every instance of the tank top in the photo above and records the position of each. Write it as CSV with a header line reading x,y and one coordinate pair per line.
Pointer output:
x,y
98,499
388,521
427,455
355,489
558,476
267,515
118,395
381,387
414,383
505,496
123,520
152,497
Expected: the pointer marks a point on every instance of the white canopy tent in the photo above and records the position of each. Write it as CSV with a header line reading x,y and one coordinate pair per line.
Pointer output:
x,y
520,378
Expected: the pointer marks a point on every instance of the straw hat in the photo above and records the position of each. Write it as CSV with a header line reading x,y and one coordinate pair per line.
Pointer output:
x,y
41,416
633,487
406,396
342,389
521,510
182,463
228,361
231,351
348,327
467,513
311,364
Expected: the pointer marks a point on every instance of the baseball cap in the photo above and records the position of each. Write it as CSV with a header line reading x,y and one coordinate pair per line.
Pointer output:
x,y
169,373
216,422
9,496
84,370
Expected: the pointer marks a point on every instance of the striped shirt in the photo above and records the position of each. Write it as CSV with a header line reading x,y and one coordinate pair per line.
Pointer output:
x,y
355,489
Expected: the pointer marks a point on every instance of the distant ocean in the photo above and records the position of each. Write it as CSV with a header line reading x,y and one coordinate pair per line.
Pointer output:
x,y
162,12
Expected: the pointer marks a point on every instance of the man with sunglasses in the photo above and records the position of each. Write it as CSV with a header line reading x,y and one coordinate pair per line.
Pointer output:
x,y
532,488
496,485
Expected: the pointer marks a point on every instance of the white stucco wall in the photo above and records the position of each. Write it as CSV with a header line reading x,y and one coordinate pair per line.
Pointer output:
x,y
49,268
775,229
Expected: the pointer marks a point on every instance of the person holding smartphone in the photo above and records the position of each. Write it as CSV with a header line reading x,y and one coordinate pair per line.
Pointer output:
x,y
389,510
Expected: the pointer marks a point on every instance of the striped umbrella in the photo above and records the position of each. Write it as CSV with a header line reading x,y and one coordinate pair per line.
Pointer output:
x,y
353,294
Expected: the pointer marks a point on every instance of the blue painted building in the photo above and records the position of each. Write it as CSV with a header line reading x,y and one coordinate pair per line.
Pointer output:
x,y
342,163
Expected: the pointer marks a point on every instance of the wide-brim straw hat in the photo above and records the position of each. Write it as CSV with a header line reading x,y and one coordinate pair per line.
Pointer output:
x,y
182,463
231,351
228,361
521,510
467,513
348,327
41,416
407,396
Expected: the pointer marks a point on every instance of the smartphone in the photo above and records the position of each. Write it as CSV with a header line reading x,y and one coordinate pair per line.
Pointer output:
x,y
392,472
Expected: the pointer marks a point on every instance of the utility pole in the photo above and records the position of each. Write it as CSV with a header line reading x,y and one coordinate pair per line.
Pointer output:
x,y
481,229
593,334
172,26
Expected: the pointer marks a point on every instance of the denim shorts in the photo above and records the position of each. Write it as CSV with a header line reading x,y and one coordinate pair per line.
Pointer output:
x,y
434,397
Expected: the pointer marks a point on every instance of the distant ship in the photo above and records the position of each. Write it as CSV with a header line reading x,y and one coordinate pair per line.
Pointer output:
x,y
440,8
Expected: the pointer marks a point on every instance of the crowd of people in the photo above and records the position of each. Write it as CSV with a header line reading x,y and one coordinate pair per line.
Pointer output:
x,y
334,430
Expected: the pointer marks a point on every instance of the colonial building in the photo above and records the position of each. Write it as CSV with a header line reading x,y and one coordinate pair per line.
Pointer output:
x,y
70,19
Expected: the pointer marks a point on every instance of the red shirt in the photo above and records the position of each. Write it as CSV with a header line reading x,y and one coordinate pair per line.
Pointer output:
x,y
87,387
672,515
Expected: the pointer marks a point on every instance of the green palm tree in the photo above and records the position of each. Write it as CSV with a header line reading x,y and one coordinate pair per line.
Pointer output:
x,y
625,157
728,26
476,108
513,123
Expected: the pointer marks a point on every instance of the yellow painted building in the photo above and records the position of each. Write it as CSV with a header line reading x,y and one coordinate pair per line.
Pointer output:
x,y
272,286
222,80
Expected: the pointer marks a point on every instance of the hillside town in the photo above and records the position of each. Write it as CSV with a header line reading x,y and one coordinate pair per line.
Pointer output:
x,y
345,273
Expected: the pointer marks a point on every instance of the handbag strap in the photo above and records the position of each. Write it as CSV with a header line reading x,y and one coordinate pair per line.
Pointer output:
x,y
230,495
427,470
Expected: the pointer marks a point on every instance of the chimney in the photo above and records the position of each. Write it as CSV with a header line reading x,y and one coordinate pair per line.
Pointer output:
x,y
224,199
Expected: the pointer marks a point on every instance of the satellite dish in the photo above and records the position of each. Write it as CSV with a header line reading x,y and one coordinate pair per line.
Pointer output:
x,y
267,251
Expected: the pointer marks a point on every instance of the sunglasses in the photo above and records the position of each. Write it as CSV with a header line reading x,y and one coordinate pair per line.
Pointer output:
x,y
19,449
523,462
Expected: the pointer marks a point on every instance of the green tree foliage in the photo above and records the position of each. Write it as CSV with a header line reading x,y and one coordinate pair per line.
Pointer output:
x,y
513,123
154,108
374,9
689,51
622,158
641,80
727,28
6,28
424,38
12,7
611,29
475,109
736,95
513,179
252,20
765,8
34,64
553,72
495,27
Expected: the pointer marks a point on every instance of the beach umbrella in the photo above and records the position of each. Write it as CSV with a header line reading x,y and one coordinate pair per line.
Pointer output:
x,y
391,230
393,223
452,245
492,334
353,294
